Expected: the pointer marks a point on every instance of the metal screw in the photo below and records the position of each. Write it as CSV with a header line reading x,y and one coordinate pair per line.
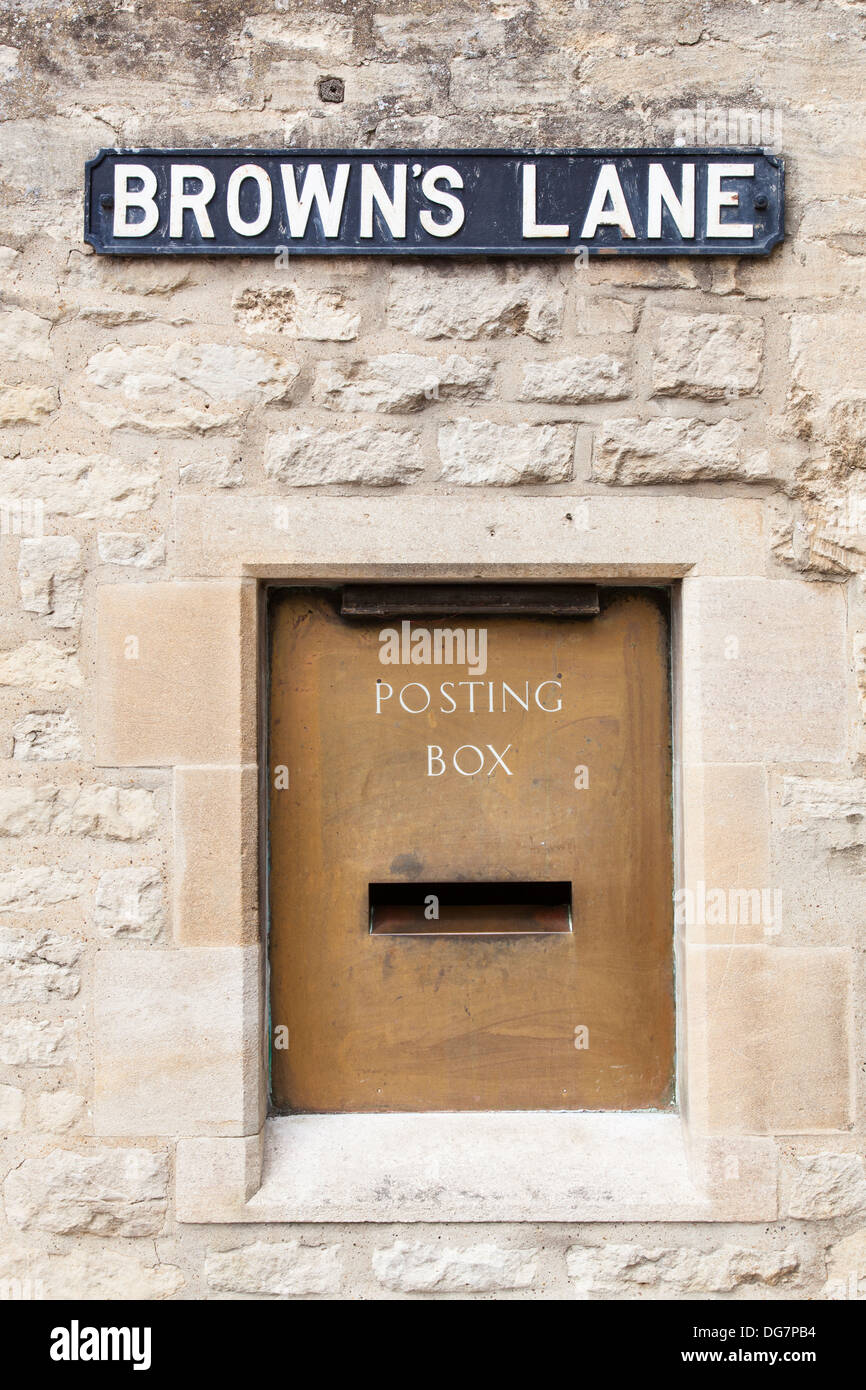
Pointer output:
x,y
332,89
106,202
761,202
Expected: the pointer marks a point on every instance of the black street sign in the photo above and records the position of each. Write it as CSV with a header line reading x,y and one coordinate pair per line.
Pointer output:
x,y
434,202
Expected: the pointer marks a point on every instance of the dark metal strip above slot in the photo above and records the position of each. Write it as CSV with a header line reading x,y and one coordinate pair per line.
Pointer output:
x,y
426,600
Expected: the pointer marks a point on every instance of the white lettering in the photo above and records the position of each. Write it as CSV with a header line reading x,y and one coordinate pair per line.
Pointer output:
x,y
314,190
661,192
196,203
393,210
607,185
531,226
443,199
237,179
718,198
124,199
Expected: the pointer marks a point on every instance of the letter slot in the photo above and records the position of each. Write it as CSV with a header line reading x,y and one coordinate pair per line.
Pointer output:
x,y
469,909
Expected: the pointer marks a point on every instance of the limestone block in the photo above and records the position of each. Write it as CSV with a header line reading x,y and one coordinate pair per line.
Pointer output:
x,y
215,867
307,456
37,966
106,812
634,1271
764,662
298,311
24,336
737,1039
183,389
27,405
134,548
575,379
59,1111
108,1274
177,1042
597,316
675,450
418,1267
818,840
726,849
708,356
46,736
24,1043
11,1109
827,395
129,902
51,576
480,452
29,890
40,664
102,1191
86,486
433,301
284,1269
211,472
401,382
176,673
828,1185
846,1268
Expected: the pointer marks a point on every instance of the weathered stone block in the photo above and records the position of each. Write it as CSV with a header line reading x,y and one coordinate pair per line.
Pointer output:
x,y
297,311
103,1192
285,1269
46,736
306,456
575,379
40,664
24,336
51,576
59,1111
475,302
828,1185
674,449
80,485
401,382
419,1267
480,452
27,405
183,389
29,890
620,1271
129,902
24,1043
709,356
134,548
37,966
11,1109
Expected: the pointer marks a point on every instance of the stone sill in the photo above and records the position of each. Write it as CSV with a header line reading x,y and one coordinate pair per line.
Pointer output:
x,y
502,1166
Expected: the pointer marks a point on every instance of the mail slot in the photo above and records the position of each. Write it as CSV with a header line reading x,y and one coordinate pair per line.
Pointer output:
x,y
470,848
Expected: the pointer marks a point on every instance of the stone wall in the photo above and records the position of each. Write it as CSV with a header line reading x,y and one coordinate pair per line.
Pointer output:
x,y
130,389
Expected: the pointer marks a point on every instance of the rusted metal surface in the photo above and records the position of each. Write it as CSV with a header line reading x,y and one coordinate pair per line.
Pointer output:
x,y
438,600
380,1021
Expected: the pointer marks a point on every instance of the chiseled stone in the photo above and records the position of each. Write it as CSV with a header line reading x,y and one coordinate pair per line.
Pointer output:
x,y
40,664
827,392
37,966
575,379
24,336
479,452
85,486
11,1109
105,812
27,405
846,1268
185,388
46,736
215,860
827,1185
401,382
135,548
100,1191
177,1041
597,315
28,890
284,1269
674,449
25,1043
51,576
110,1274
211,472
708,356
307,456
297,311
129,902
632,1270
419,1267
59,1111
477,301
176,674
